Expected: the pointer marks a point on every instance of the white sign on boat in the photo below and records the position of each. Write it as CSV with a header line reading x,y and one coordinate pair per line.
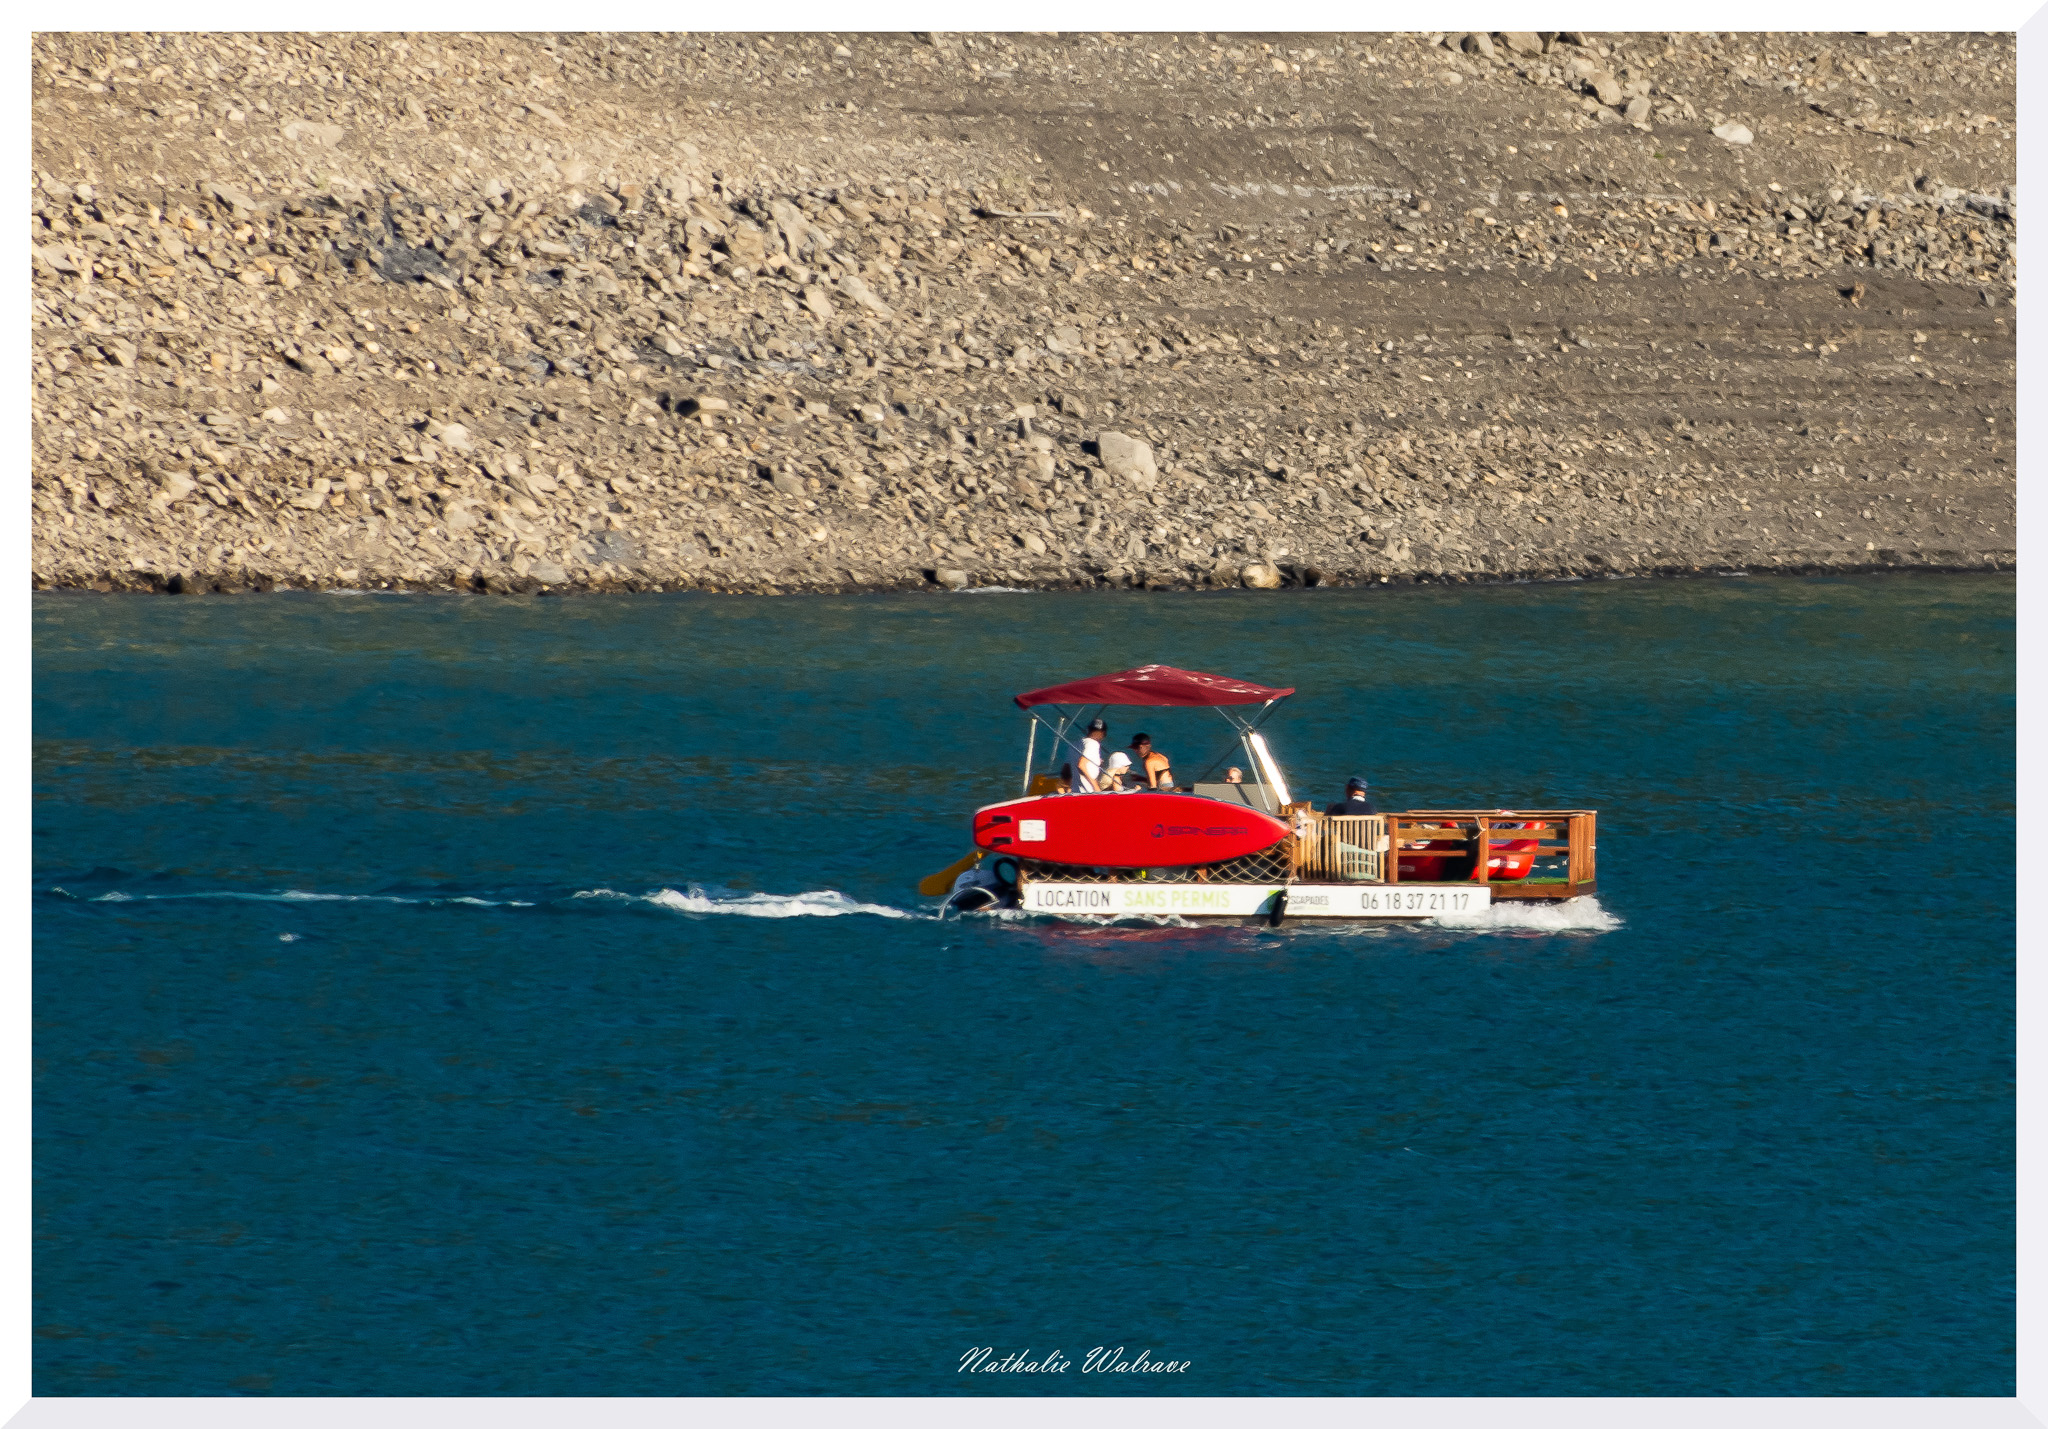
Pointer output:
x,y
1254,900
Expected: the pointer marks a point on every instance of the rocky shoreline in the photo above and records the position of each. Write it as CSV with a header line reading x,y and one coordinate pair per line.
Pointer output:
x,y
890,312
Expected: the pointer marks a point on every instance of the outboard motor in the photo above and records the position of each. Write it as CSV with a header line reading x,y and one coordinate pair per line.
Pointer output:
x,y
981,890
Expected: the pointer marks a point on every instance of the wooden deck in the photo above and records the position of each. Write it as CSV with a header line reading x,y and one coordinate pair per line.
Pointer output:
x,y
1364,849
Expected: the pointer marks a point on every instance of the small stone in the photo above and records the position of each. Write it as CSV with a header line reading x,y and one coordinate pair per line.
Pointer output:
x,y
1733,133
277,416
548,573
1031,542
305,131
1259,575
57,256
454,435
1638,112
1602,114
1477,44
819,304
1606,88
691,406
951,578
856,288
873,413
1522,42
746,243
787,482
240,203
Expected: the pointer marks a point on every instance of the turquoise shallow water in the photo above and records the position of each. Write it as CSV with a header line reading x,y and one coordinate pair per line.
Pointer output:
x,y
508,996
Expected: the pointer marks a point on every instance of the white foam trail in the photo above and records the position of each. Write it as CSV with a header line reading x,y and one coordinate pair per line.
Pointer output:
x,y
1569,915
294,895
819,903
297,895
998,590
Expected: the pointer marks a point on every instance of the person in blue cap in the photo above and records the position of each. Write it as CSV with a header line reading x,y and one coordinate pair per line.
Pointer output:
x,y
1357,799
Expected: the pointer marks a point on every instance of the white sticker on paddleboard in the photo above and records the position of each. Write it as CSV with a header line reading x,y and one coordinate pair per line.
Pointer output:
x,y
1031,831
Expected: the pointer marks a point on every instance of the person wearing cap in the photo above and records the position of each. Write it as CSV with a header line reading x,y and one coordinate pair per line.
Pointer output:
x,y
1156,768
1357,799
1086,777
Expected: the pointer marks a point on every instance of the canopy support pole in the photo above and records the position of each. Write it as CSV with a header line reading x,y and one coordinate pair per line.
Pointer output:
x,y
1030,753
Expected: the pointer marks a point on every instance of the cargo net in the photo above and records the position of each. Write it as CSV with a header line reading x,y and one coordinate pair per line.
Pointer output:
x,y
1268,865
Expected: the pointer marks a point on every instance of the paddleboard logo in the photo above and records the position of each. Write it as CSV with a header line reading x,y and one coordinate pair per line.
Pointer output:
x,y
1166,831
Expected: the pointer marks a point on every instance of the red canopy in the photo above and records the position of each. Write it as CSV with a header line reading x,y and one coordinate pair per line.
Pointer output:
x,y
1154,685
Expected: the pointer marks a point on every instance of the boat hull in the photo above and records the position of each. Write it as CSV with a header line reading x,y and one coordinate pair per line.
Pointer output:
x,y
1243,902
1140,830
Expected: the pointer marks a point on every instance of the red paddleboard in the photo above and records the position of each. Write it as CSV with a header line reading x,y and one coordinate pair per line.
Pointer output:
x,y
1139,830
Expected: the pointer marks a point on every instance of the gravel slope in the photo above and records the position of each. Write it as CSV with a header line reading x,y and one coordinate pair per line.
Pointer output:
x,y
869,311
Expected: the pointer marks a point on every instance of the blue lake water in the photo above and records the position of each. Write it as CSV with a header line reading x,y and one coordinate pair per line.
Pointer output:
x,y
530,996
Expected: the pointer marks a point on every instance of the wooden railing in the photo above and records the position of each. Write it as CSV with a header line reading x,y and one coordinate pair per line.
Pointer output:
x,y
1350,848
1568,834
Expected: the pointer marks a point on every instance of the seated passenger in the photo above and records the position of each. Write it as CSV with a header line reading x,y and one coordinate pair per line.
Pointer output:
x,y
1357,799
1153,767
1119,769
1235,776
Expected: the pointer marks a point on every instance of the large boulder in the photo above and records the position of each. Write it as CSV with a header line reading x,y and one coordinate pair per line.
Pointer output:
x,y
1127,458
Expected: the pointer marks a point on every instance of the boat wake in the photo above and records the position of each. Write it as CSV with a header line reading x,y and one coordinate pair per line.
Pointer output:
x,y
295,895
1572,915
1577,915
692,898
822,903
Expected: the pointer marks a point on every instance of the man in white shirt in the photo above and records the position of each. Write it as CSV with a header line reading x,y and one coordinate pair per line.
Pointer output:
x,y
1089,776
